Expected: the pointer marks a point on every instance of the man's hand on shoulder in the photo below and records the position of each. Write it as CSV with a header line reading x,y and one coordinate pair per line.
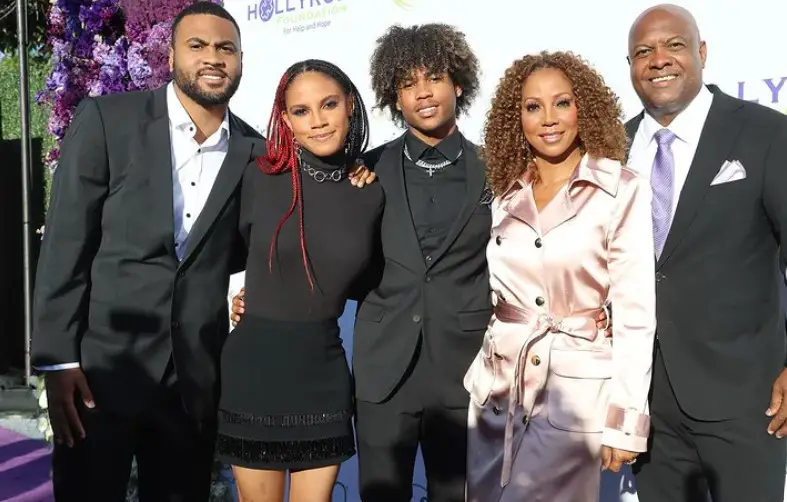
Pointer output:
x,y
778,407
62,387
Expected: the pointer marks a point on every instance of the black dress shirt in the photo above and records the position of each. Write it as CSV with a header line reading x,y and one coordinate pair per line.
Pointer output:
x,y
435,201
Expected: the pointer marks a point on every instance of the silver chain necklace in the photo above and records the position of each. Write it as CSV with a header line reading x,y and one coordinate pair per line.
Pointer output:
x,y
319,176
430,167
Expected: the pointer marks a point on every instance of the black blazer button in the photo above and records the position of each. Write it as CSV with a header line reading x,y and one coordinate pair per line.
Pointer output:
x,y
416,318
538,242
175,325
540,301
498,240
496,410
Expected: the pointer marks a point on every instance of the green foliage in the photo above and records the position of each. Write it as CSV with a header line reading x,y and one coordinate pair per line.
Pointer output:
x,y
36,24
39,69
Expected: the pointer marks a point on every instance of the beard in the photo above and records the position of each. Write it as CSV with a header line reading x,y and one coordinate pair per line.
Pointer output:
x,y
187,83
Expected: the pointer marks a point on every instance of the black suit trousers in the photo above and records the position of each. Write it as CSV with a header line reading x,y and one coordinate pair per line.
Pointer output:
x,y
389,433
174,455
734,460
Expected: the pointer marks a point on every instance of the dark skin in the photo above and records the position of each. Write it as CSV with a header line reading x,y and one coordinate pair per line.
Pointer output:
x,y
428,103
667,56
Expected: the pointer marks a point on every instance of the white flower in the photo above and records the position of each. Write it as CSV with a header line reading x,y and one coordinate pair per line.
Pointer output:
x,y
42,402
45,428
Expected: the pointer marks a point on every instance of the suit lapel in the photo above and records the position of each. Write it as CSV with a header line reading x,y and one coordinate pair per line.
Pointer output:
x,y
156,155
631,131
476,181
398,204
717,139
239,154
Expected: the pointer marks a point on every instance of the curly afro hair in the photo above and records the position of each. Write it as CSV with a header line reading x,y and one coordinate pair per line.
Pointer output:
x,y
601,129
434,47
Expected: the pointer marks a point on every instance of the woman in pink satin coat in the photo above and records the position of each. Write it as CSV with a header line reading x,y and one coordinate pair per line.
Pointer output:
x,y
553,401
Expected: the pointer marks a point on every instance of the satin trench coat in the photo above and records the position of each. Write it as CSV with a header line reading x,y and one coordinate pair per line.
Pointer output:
x,y
548,388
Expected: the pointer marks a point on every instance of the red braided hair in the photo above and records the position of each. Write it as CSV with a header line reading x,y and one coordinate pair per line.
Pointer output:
x,y
280,157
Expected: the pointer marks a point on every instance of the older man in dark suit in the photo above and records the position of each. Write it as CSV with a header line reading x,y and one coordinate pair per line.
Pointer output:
x,y
718,169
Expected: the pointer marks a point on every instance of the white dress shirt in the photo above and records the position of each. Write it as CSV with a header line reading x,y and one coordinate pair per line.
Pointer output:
x,y
687,126
194,170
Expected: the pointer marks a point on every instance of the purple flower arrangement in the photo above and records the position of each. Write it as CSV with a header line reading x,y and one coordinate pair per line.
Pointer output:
x,y
102,47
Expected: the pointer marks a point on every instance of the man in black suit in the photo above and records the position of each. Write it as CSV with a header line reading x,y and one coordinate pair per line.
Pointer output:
x,y
141,237
417,331
718,168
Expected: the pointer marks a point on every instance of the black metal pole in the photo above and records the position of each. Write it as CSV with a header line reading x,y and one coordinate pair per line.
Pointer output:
x,y
24,118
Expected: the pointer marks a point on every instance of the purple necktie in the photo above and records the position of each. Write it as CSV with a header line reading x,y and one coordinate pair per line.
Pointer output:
x,y
661,181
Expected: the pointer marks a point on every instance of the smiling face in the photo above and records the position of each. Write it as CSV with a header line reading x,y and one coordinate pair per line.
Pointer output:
x,y
318,110
549,114
428,104
205,59
666,60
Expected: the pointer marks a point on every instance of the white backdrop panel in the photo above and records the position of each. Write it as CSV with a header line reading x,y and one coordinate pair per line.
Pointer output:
x,y
745,58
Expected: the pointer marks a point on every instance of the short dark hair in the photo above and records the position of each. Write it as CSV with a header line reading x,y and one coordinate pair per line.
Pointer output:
x,y
436,48
208,7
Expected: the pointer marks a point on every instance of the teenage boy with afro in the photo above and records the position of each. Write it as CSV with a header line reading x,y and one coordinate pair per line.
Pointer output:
x,y
422,324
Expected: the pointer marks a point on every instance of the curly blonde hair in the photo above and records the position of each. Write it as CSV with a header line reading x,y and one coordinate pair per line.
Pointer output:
x,y
601,131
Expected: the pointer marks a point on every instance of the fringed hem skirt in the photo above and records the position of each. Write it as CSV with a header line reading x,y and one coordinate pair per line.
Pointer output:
x,y
286,396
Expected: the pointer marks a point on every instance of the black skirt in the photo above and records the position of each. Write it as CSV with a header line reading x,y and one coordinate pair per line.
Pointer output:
x,y
286,396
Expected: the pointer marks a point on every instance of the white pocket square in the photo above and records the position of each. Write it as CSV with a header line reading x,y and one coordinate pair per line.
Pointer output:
x,y
730,171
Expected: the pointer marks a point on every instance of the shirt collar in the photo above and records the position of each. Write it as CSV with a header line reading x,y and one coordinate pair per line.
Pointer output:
x,y
601,172
687,126
448,148
180,119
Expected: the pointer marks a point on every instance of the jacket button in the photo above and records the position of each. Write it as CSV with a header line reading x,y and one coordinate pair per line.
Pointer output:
x,y
525,420
428,258
427,279
535,360
540,301
175,324
498,240
538,242
496,410
416,318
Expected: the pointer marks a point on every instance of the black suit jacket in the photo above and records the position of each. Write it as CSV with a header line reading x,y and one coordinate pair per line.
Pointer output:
x,y
110,292
720,325
446,296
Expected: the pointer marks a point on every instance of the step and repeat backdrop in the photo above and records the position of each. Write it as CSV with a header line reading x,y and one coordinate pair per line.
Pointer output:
x,y
746,42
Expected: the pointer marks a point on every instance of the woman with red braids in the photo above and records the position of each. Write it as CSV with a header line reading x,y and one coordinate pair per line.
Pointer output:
x,y
286,399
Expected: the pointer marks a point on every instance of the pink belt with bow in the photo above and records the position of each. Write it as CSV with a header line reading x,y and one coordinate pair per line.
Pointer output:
x,y
578,326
